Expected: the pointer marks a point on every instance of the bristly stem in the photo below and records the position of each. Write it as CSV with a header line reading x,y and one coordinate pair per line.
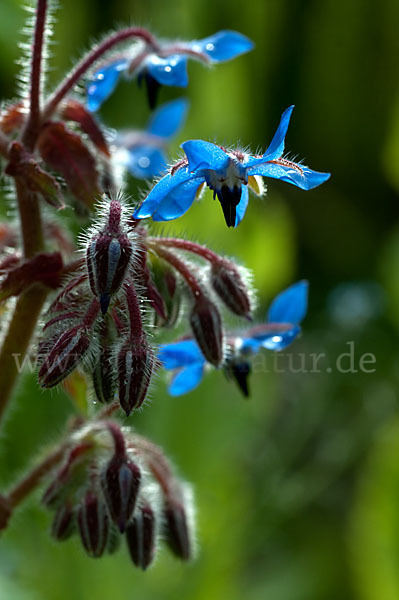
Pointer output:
x,y
28,308
87,61
16,342
33,122
33,478
181,267
193,247
28,483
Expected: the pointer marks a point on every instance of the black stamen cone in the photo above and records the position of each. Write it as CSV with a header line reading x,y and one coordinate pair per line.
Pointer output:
x,y
241,372
152,87
229,200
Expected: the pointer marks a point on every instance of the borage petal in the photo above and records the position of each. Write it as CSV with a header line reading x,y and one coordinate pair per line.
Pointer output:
x,y
163,191
205,155
179,354
143,162
298,175
276,147
223,45
171,70
186,380
242,205
168,118
103,84
271,340
291,305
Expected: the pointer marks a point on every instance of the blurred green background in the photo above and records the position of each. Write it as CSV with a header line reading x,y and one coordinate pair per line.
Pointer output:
x,y
297,489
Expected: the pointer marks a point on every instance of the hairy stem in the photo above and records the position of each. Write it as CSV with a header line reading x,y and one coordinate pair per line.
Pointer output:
x,y
33,478
181,267
16,342
31,130
28,308
202,251
87,61
31,221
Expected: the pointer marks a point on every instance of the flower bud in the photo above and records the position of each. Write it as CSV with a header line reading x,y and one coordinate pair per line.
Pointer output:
x,y
64,356
103,376
93,525
141,538
227,283
63,525
70,477
135,364
206,325
120,484
177,528
108,257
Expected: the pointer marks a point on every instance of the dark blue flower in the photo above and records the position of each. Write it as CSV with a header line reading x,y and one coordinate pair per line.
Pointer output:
x,y
227,173
281,328
142,153
164,64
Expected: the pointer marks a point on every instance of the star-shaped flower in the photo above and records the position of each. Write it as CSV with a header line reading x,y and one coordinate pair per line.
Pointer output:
x,y
164,64
142,153
227,173
281,328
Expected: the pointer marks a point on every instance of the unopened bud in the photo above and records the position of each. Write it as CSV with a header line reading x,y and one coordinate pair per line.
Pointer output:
x,y
135,365
229,286
103,376
120,484
64,356
206,325
141,538
178,535
93,525
63,525
69,478
108,256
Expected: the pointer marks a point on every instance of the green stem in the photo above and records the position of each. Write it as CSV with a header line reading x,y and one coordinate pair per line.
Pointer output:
x,y
29,305
31,129
16,342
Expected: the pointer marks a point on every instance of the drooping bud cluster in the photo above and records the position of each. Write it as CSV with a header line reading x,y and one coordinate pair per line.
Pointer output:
x,y
226,282
112,483
96,322
103,335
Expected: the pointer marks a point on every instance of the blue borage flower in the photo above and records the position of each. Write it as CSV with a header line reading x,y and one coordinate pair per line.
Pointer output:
x,y
164,64
282,326
142,153
227,173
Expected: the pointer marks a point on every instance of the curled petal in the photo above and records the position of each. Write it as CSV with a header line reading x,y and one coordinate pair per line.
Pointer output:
x,y
205,155
223,45
242,205
276,147
187,379
103,84
298,175
171,70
